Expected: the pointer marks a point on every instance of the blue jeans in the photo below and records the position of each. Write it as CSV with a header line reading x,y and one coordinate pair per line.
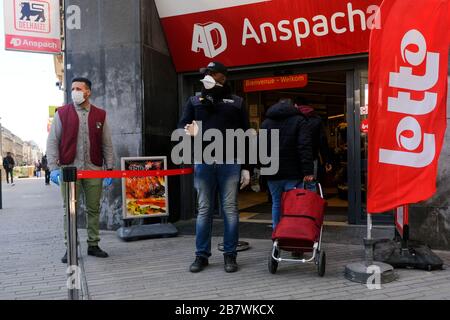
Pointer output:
x,y
277,187
208,179
311,186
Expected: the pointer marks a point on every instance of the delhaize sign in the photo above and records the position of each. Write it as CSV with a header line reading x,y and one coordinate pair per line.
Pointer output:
x,y
408,69
32,26
245,32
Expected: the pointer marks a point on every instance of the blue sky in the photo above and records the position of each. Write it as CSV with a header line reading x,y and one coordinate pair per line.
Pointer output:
x,y
27,88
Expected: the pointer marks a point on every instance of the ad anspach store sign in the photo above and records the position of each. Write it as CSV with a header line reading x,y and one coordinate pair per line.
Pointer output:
x,y
246,32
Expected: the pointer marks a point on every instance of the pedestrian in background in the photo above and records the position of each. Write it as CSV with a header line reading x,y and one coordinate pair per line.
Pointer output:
x,y
320,148
44,164
37,169
80,137
8,165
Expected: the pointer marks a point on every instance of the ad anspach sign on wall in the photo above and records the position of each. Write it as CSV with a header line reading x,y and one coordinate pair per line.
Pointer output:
x,y
246,32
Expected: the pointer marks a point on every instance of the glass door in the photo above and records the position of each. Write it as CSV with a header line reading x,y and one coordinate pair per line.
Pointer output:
x,y
363,133
361,128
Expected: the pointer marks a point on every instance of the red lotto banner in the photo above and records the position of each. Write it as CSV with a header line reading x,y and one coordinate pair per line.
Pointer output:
x,y
408,60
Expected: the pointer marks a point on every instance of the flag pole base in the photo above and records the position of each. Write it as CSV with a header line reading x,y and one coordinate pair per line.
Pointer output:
x,y
361,271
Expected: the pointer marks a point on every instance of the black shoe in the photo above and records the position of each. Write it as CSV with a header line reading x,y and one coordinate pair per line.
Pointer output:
x,y
199,264
230,263
64,259
97,252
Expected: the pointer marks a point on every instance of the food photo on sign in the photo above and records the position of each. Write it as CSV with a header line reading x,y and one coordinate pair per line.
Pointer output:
x,y
144,196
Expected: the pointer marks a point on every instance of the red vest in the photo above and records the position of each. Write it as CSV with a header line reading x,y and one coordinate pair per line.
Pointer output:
x,y
69,137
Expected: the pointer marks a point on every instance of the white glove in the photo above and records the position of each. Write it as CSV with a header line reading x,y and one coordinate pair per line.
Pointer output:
x,y
245,178
191,129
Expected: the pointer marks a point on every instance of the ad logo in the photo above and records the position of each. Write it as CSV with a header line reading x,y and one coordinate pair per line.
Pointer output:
x,y
32,16
16,42
209,37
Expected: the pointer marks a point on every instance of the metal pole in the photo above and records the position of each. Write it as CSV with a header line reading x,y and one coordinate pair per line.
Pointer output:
x,y
369,226
360,272
405,235
69,177
368,242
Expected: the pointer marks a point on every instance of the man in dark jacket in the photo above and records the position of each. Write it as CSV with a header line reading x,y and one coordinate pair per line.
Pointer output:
x,y
216,108
320,147
8,165
295,151
44,165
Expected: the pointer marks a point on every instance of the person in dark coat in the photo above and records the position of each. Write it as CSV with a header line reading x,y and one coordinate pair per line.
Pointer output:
x,y
37,169
321,151
44,164
295,152
8,165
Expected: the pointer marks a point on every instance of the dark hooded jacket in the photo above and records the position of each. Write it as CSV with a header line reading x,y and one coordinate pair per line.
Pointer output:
x,y
318,135
295,148
8,163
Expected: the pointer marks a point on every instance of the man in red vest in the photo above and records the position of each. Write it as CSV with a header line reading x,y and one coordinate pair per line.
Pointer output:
x,y
80,137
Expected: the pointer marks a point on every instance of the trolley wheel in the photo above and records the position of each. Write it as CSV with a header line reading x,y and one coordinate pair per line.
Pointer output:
x,y
321,263
272,263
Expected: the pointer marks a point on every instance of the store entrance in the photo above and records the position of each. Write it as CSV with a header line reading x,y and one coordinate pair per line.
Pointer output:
x,y
326,92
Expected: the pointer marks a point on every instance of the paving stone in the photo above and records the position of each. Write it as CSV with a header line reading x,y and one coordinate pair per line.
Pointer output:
x,y
158,269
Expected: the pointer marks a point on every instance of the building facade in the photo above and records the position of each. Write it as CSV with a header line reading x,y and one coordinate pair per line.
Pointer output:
x,y
31,153
25,153
143,59
12,143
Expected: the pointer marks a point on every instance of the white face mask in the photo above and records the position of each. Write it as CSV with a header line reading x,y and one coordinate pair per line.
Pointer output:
x,y
78,97
209,82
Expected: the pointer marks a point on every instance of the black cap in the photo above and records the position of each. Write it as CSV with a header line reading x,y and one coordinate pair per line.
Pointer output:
x,y
215,67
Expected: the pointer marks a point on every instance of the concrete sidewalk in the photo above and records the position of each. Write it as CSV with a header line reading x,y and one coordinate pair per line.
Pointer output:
x,y
31,242
31,248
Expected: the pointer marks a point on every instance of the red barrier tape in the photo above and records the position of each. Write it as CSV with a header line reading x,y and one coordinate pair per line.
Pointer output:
x,y
118,174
